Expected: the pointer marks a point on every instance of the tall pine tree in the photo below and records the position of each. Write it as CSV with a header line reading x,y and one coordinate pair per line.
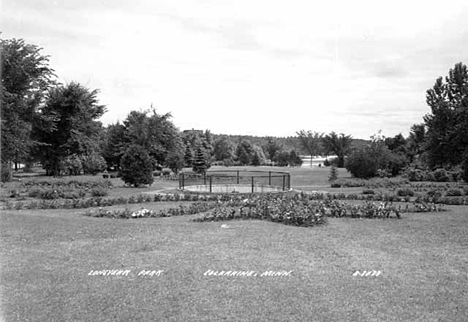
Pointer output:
x,y
200,164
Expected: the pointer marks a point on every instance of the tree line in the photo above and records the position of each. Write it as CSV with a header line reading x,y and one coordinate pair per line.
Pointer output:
x,y
57,125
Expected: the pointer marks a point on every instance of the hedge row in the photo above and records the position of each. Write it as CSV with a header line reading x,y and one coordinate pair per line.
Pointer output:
x,y
107,184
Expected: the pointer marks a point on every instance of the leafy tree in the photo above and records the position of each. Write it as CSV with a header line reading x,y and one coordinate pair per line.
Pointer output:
x,y
25,80
200,164
156,133
447,124
282,158
72,165
175,160
115,145
340,145
93,163
136,166
294,159
272,148
223,149
416,139
311,142
244,152
364,162
397,143
70,125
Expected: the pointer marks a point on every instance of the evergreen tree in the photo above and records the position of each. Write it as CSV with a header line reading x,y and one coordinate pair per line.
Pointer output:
x,y
256,161
188,156
115,145
333,174
200,165
271,149
70,125
294,159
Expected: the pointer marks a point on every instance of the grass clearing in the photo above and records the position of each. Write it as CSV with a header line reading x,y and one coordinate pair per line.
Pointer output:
x,y
47,256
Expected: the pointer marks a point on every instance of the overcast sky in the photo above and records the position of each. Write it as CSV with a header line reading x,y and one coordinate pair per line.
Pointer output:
x,y
252,67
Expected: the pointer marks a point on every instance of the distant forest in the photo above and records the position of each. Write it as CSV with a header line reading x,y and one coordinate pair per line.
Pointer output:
x,y
288,143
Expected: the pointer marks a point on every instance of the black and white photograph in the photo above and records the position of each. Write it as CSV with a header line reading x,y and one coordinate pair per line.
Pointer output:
x,y
244,161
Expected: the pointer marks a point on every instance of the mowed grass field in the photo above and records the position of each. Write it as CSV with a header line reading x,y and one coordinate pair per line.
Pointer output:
x,y
47,257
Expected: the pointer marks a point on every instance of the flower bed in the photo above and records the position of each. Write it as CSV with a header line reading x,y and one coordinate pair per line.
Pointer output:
x,y
298,210
194,208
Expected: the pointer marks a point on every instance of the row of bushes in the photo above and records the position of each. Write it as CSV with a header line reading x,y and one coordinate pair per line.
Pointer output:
x,y
234,200
103,202
370,195
57,193
107,184
373,183
438,175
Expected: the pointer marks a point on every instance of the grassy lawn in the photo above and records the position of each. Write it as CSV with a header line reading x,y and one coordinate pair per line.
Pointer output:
x,y
47,256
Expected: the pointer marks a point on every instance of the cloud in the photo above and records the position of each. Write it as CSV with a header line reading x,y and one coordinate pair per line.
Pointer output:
x,y
252,67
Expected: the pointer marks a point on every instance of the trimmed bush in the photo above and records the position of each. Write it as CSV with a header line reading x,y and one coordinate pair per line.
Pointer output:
x,y
35,192
136,166
441,175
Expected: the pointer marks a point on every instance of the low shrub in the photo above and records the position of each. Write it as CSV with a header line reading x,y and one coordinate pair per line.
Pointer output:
x,y
51,193
73,194
405,192
454,193
6,173
441,175
430,176
434,193
415,175
14,193
99,192
35,192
